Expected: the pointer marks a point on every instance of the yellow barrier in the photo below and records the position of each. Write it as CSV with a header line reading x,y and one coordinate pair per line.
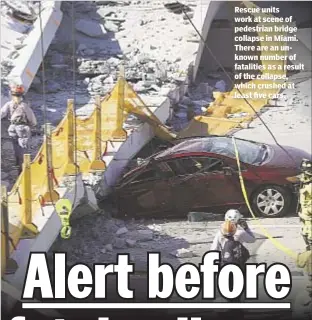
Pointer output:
x,y
226,103
71,168
97,163
50,195
119,133
76,145
30,229
4,229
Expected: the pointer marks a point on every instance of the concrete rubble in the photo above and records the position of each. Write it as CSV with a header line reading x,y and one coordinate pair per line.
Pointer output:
x,y
182,253
13,16
16,22
128,30
90,28
131,33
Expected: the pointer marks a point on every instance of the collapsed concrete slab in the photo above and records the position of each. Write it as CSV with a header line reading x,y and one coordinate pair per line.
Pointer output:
x,y
30,57
49,227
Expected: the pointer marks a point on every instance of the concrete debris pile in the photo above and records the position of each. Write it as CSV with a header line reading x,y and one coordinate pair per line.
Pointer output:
x,y
16,22
195,102
108,33
22,10
111,235
126,34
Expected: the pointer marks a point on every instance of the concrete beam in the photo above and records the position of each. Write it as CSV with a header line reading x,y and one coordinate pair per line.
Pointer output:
x,y
127,150
30,58
203,17
49,226
302,48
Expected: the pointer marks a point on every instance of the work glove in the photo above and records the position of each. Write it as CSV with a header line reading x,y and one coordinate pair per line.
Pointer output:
x,y
243,224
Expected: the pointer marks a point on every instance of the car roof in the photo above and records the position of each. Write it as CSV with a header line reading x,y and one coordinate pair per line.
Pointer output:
x,y
197,145
194,145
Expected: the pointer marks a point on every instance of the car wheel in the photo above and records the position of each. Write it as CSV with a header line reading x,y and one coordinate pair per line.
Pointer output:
x,y
271,201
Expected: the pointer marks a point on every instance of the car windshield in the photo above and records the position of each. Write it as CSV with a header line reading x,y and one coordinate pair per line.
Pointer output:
x,y
249,152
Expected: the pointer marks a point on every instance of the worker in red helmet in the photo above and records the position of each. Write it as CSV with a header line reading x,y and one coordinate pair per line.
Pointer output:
x,y
22,119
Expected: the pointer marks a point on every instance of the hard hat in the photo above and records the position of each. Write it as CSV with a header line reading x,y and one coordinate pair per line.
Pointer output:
x,y
232,215
228,228
306,166
17,90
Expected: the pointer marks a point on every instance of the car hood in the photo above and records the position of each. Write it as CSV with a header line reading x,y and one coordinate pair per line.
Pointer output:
x,y
292,158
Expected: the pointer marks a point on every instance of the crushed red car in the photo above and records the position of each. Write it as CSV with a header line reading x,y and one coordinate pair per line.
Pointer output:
x,y
200,174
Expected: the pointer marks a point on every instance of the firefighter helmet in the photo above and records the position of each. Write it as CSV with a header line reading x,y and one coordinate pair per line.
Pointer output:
x,y
17,90
228,228
306,166
232,215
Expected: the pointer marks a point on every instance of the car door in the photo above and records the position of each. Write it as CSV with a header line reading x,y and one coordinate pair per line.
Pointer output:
x,y
249,175
147,193
208,184
173,176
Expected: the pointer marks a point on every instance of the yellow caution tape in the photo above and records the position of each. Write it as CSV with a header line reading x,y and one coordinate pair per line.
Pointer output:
x,y
64,209
276,243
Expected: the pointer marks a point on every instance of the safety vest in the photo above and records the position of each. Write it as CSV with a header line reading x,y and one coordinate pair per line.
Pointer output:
x,y
306,201
17,114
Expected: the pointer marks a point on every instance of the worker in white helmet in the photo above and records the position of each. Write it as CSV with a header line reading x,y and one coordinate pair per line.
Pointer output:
x,y
228,241
22,118
243,234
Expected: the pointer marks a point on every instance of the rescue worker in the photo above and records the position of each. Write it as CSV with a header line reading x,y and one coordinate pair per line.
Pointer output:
x,y
303,304
305,199
302,308
242,234
21,118
232,251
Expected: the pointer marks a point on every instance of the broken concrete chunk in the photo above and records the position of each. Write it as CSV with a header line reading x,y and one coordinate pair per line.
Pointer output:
x,y
81,47
90,28
130,243
103,250
177,7
113,61
119,243
86,81
105,12
220,86
121,231
107,3
111,26
88,52
190,15
145,235
141,235
237,115
182,253
109,80
199,216
109,247
155,227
